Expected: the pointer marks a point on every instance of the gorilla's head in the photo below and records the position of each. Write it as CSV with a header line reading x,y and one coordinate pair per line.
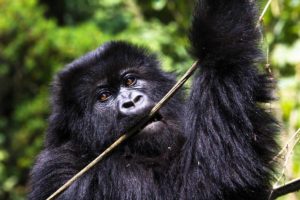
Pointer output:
x,y
96,98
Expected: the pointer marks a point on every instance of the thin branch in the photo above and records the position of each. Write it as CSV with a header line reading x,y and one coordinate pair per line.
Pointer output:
x,y
295,137
260,19
292,186
132,131
287,157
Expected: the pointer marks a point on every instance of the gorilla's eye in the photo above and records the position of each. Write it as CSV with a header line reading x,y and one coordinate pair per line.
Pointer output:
x,y
104,96
129,80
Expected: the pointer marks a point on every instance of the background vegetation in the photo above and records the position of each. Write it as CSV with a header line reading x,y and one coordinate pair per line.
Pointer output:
x,y
37,38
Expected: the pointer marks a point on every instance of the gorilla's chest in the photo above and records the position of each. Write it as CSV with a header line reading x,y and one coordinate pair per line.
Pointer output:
x,y
127,180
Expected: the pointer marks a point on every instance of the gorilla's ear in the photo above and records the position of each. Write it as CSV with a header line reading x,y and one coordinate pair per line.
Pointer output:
x,y
64,106
57,121
57,132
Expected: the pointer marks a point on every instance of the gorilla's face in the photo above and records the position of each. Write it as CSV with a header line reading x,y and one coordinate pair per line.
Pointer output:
x,y
108,91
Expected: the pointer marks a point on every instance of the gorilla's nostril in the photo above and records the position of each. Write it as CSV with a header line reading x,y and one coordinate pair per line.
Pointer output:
x,y
128,104
137,98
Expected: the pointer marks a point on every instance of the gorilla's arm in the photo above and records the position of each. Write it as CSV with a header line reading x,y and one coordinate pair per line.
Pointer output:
x,y
230,137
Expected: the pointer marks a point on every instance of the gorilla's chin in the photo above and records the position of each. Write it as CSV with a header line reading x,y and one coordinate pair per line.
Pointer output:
x,y
155,125
155,139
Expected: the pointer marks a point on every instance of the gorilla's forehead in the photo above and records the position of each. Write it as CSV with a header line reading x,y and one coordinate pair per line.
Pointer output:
x,y
111,60
113,73
115,56
108,63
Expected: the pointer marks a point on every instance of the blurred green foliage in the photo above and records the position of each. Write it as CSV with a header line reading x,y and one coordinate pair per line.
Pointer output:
x,y
37,38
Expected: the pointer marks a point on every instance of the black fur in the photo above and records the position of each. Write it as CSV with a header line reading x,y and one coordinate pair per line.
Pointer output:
x,y
216,145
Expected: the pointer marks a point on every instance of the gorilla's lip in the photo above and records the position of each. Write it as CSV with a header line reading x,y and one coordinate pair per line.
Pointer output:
x,y
155,121
157,117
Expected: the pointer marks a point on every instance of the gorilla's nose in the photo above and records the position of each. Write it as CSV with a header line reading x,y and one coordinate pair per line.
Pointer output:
x,y
134,103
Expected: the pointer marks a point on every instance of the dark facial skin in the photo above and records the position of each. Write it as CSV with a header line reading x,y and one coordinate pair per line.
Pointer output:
x,y
128,98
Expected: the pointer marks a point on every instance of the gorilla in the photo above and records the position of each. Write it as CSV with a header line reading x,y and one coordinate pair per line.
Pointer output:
x,y
216,144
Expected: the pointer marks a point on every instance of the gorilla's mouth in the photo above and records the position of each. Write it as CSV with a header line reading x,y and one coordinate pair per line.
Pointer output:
x,y
157,117
154,123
